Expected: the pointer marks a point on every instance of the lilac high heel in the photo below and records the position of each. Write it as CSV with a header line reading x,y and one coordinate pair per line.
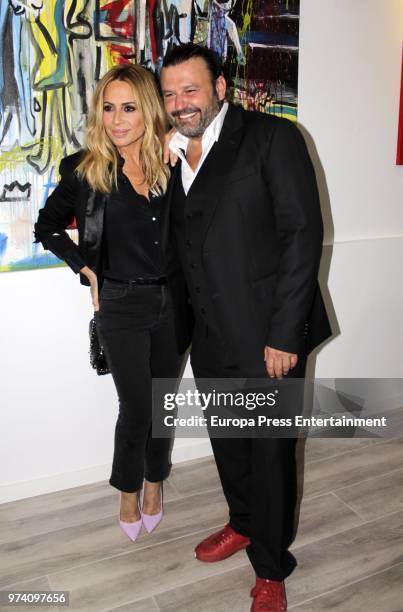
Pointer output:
x,y
150,521
132,530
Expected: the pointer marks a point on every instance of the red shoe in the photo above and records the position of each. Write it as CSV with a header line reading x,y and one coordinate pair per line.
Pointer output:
x,y
269,596
221,545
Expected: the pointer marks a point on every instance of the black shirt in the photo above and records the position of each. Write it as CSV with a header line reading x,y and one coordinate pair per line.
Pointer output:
x,y
132,233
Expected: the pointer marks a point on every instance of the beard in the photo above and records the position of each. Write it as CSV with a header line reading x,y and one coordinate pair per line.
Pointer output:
x,y
206,116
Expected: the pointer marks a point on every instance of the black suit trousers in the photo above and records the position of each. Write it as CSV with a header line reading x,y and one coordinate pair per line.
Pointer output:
x,y
258,475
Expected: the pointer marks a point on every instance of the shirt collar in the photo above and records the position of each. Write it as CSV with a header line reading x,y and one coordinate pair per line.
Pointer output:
x,y
180,142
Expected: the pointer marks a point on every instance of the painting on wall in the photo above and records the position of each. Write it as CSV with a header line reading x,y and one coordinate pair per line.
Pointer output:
x,y
52,52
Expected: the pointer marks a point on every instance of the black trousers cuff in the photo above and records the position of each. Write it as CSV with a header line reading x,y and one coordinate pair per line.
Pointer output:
x,y
279,573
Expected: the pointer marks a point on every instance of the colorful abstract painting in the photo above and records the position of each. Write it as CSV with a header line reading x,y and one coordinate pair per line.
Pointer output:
x,y
52,52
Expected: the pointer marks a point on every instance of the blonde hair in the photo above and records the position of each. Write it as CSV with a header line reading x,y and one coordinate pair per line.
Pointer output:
x,y
100,161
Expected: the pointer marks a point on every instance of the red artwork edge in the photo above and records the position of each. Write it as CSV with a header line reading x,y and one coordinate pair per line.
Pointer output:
x,y
399,156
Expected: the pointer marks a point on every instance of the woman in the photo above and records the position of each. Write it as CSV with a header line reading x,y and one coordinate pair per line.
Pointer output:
x,y
114,189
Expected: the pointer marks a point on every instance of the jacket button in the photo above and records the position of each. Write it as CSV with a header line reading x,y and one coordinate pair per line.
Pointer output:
x,y
197,289
203,311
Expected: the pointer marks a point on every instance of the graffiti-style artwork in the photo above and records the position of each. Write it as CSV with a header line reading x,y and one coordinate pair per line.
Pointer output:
x,y
267,80
52,52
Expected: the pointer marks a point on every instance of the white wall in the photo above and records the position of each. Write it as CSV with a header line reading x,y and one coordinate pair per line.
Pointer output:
x,y
349,87
57,417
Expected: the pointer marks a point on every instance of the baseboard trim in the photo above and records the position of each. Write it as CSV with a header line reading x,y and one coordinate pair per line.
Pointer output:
x,y
58,482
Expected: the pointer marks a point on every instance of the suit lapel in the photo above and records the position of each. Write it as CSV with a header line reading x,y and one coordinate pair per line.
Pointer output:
x,y
166,211
210,182
208,187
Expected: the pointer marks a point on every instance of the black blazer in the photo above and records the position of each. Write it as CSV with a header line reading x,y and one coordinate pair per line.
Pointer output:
x,y
263,235
73,198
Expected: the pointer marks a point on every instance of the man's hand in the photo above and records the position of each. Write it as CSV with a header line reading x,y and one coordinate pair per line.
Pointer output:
x,y
92,277
279,363
169,156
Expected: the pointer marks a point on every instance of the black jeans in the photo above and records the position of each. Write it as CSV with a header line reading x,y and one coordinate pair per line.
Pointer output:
x,y
136,329
258,475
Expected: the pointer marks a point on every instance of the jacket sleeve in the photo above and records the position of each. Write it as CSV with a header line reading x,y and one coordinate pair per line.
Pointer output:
x,y
290,175
56,215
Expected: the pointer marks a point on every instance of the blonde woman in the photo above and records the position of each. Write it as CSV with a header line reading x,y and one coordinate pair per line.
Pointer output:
x,y
115,189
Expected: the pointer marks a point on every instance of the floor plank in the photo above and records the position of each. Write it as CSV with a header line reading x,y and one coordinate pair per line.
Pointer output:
x,y
196,476
45,513
312,525
137,575
38,584
375,497
323,448
380,593
223,593
145,605
351,468
97,539
350,555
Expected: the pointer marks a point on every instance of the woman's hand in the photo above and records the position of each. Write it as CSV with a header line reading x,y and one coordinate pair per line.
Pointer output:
x,y
169,156
92,277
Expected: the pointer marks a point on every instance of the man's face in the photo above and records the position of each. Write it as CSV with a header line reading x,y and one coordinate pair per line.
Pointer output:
x,y
191,100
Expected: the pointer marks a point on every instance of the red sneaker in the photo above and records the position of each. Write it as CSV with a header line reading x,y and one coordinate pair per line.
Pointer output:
x,y
221,545
269,596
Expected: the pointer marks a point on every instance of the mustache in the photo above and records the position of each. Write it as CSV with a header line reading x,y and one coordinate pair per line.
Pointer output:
x,y
185,111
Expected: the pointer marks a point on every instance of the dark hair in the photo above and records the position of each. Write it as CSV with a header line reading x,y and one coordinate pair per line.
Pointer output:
x,y
182,53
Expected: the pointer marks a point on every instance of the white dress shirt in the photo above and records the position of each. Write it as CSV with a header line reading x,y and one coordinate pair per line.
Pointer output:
x,y
179,144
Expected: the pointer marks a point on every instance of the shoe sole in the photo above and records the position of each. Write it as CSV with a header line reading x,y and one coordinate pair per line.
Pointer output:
x,y
209,559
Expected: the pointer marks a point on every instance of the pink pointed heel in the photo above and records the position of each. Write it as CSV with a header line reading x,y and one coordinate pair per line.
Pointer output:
x,y
132,530
150,521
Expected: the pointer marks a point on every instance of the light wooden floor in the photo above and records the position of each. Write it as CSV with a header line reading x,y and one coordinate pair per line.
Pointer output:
x,y
349,545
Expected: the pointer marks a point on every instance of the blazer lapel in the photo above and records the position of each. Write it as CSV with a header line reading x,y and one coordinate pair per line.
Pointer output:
x,y
208,187
94,219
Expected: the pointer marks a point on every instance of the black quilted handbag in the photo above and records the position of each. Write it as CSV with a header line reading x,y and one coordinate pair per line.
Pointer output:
x,y
97,355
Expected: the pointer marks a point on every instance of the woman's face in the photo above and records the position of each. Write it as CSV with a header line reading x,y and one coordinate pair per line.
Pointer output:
x,y
122,121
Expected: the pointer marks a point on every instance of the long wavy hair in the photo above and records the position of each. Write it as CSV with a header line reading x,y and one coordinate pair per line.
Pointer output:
x,y
99,163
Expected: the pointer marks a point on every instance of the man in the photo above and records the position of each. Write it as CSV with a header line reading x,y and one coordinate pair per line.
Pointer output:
x,y
246,222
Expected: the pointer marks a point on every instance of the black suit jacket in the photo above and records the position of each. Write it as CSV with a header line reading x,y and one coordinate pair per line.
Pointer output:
x,y
262,237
